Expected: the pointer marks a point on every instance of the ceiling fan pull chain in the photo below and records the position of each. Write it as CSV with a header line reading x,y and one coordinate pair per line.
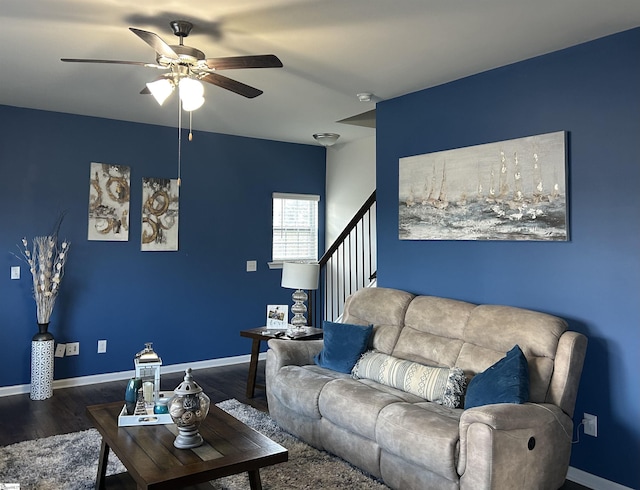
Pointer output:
x,y
190,125
179,138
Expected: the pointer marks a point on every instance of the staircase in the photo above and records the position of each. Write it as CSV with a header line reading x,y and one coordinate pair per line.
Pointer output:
x,y
348,264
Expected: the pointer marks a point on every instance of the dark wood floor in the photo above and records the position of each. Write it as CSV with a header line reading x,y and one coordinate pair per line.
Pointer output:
x,y
24,419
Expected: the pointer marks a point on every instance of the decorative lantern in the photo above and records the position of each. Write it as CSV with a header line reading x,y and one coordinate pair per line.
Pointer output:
x,y
147,364
188,407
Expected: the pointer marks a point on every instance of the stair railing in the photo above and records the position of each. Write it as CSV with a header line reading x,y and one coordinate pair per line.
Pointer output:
x,y
348,264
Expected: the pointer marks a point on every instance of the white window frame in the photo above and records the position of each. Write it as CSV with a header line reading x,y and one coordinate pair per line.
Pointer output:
x,y
278,260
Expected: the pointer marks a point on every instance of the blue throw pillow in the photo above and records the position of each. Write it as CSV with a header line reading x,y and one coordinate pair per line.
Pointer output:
x,y
507,381
343,345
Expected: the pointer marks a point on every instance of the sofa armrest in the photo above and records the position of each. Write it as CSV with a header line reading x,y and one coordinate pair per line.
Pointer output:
x,y
510,416
290,352
563,390
510,445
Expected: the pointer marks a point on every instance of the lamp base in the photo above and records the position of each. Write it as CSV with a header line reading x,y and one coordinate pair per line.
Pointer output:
x,y
299,309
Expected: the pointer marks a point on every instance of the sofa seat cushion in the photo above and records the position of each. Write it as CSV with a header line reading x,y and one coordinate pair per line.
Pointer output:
x,y
425,434
354,406
298,388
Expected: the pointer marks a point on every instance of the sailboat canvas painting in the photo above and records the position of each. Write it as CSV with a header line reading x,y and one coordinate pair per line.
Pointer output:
x,y
509,190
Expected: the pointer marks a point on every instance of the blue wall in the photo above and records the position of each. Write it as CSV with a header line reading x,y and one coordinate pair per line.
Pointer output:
x,y
191,303
592,91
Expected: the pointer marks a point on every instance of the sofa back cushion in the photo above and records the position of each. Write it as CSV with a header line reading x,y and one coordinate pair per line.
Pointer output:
x,y
450,333
493,330
381,307
433,331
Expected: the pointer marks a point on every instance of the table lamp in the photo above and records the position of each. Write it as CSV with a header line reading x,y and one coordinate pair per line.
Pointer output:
x,y
299,276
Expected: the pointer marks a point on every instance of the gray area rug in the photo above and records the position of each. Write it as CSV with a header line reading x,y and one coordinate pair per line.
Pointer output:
x,y
70,461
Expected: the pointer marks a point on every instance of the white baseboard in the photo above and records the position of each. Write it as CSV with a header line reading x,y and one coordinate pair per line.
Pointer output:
x,y
122,375
592,481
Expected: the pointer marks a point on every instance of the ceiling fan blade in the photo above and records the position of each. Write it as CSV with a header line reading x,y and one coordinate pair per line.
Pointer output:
x,y
155,42
238,62
233,85
113,62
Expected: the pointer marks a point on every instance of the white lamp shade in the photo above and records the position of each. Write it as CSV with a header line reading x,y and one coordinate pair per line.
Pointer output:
x,y
161,89
300,276
191,88
192,103
191,94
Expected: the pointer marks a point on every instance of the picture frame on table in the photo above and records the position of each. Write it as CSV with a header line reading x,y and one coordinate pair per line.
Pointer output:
x,y
277,316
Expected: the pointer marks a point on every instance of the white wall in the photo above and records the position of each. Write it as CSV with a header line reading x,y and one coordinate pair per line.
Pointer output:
x,y
351,178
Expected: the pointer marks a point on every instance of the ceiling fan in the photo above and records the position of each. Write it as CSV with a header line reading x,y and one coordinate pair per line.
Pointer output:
x,y
185,62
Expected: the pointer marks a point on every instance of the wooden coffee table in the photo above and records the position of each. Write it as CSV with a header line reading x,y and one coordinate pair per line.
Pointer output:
x,y
153,462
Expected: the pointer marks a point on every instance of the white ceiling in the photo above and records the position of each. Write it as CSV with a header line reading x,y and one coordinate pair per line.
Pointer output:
x,y
331,50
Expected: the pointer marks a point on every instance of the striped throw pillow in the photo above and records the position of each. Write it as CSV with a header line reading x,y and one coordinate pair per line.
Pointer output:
x,y
444,386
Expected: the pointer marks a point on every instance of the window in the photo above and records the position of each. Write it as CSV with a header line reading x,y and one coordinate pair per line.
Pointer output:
x,y
295,227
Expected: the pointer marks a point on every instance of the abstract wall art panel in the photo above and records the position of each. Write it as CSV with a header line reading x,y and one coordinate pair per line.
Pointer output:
x,y
509,190
109,194
160,205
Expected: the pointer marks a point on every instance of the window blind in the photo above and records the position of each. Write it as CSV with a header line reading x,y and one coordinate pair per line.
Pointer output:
x,y
295,227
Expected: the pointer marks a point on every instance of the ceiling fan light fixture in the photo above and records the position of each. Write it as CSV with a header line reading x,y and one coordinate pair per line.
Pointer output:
x,y
161,89
326,139
192,103
190,87
191,93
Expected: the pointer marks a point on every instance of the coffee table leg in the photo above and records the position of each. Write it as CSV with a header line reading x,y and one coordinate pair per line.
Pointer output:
x,y
253,368
102,465
254,480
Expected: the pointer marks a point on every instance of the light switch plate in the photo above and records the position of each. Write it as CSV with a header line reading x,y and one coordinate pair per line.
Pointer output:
x,y
15,272
252,265
60,350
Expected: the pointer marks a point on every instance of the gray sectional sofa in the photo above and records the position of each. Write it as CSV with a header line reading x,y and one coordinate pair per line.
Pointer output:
x,y
411,443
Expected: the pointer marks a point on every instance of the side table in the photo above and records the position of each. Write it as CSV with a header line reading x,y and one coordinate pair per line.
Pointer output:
x,y
260,334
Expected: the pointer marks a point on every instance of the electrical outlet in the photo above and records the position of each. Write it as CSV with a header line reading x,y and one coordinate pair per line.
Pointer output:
x,y
102,346
15,272
73,349
252,265
590,424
